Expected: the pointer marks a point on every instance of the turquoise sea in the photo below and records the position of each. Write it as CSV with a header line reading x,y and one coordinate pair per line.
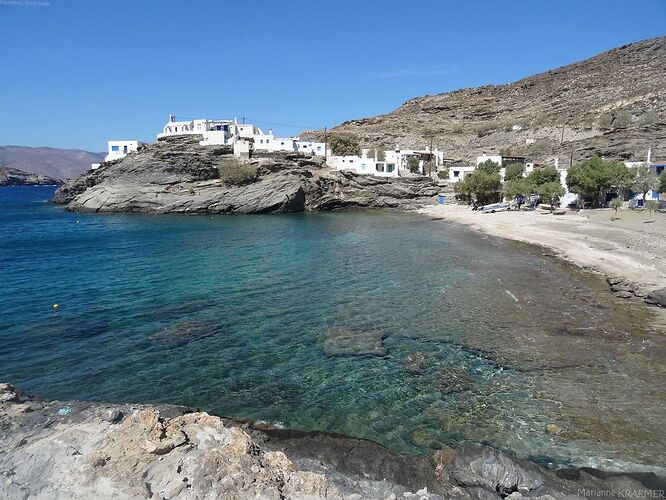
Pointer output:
x,y
414,333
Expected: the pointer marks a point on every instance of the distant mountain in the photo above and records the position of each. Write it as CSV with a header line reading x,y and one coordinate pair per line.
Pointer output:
x,y
613,104
52,162
15,177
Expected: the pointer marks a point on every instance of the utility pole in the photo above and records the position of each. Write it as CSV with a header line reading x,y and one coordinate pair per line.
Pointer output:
x,y
431,154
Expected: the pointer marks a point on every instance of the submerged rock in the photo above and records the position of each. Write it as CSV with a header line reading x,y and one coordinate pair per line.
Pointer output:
x,y
182,333
657,297
450,379
415,362
342,341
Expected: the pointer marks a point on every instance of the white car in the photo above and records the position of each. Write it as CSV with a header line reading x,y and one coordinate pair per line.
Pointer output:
x,y
495,207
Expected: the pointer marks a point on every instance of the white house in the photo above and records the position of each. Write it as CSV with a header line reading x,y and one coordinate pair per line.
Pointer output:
x,y
117,150
363,165
458,173
426,158
213,131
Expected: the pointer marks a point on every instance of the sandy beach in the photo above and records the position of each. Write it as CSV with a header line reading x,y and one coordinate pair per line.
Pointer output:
x,y
627,247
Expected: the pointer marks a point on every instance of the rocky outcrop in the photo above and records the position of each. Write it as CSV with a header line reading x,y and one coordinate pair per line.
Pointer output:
x,y
593,106
15,177
50,449
179,175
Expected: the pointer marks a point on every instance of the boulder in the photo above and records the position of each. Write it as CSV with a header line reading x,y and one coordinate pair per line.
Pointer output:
x,y
657,297
487,469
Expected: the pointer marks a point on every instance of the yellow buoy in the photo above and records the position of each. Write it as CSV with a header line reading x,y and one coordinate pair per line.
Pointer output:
x,y
55,307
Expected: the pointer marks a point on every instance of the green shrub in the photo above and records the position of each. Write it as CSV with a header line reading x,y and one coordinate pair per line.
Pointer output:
x,y
483,129
238,174
342,144
648,118
443,174
457,128
413,164
514,171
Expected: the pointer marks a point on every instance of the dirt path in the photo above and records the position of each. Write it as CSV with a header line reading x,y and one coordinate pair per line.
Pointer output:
x,y
627,247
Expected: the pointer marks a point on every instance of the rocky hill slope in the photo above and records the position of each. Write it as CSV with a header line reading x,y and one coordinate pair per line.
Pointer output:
x,y
15,177
613,104
76,449
179,175
53,162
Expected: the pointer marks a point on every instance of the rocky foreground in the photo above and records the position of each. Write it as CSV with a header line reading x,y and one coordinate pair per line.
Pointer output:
x,y
179,175
51,449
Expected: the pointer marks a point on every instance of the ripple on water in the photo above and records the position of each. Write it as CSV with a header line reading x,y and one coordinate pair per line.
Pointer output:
x,y
413,333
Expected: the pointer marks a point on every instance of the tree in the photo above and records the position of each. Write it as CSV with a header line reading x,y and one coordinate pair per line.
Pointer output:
x,y
344,144
651,205
590,177
484,186
550,192
662,183
615,203
488,167
514,171
543,175
518,187
413,164
645,180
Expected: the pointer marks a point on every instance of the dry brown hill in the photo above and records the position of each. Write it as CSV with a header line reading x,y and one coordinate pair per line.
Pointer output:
x,y
613,104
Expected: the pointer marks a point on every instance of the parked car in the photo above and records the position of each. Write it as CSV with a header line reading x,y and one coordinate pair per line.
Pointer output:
x,y
494,207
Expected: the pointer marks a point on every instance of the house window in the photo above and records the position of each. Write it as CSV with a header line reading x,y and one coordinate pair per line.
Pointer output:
x,y
379,167
318,148
456,173
282,144
390,167
115,148
125,149
362,166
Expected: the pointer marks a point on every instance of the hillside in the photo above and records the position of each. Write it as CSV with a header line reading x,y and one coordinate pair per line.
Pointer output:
x,y
14,177
53,162
613,104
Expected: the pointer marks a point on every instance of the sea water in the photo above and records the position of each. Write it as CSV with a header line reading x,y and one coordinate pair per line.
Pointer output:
x,y
414,333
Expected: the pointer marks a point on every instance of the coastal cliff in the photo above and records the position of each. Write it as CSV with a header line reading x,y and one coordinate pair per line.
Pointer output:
x,y
179,175
82,449
15,177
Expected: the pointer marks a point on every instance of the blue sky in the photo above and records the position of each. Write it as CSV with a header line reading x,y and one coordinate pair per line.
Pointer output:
x,y
76,73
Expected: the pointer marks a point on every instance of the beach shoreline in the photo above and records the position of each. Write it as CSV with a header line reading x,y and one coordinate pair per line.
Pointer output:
x,y
626,248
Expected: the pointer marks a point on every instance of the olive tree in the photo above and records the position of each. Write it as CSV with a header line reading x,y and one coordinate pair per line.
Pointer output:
x,y
344,144
590,177
514,171
645,180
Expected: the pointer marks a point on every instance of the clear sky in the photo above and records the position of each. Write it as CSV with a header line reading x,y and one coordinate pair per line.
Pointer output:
x,y
76,73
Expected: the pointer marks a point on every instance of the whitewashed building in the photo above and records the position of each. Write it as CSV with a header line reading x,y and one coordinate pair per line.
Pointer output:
x,y
117,150
363,165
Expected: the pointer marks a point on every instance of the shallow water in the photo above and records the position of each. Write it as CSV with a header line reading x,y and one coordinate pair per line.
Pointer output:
x,y
413,333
